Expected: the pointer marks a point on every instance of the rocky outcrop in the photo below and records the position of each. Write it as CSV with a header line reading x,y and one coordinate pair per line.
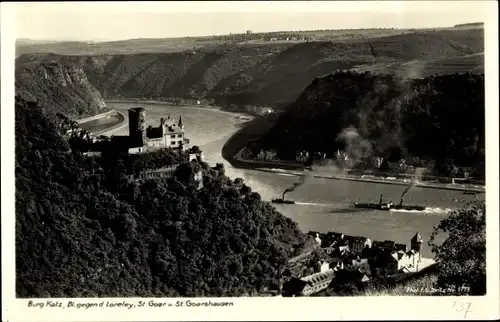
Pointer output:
x,y
59,88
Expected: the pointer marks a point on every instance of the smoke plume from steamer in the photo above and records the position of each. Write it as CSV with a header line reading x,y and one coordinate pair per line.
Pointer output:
x,y
356,146
416,177
412,183
388,120
302,180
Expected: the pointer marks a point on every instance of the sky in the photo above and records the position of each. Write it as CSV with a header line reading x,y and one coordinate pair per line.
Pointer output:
x,y
104,21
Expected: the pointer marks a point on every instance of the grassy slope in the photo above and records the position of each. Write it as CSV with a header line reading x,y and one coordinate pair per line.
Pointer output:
x,y
418,287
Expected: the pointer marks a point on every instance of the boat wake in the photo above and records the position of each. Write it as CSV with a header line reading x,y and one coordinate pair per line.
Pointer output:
x,y
286,174
314,204
429,210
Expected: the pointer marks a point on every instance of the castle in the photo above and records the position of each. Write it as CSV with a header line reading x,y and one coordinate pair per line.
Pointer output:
x,y
169,134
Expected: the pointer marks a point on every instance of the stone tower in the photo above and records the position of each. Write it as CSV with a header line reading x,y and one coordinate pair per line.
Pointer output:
x,y
416,245
137,126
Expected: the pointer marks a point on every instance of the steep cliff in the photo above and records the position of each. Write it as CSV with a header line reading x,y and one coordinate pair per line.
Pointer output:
x,y
272,74
58,88
438,118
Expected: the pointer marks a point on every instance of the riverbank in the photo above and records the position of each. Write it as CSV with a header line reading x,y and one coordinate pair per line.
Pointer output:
x,y
98,129
121,124
381,180
211,108
257,127
93,117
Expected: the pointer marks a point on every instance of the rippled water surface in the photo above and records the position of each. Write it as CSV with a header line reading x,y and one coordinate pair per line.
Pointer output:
x,y
322,204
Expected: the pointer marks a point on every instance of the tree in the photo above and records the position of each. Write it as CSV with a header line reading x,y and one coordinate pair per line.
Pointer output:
x,y
195,149
462,256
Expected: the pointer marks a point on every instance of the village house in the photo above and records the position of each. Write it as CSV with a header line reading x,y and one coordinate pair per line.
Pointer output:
x,y
337,264
322,266
376,161
343,249
360,264
316,237
396,261
401,247
308,285
331,239
386,244
342,158
266,111
357,253
267,155
358,244
349,277
302,156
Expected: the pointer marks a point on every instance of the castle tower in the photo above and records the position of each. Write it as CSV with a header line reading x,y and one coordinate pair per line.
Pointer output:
x,y
137,126
416,244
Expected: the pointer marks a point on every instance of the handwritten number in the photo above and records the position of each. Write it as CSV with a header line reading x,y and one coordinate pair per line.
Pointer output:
x,y
468,309
463,307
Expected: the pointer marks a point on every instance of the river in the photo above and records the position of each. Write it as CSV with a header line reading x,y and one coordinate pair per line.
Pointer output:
x,y
322,204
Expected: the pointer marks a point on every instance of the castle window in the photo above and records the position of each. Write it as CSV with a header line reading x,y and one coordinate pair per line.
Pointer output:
x,y
179,135
173,136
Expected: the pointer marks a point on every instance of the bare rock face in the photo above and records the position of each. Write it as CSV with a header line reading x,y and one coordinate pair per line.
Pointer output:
x,y
59,88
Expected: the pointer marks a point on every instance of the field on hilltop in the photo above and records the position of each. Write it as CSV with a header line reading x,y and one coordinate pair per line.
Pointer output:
x,y
260,69
162,45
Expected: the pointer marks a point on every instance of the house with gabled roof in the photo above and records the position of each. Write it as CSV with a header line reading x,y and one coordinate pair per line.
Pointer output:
x,y
322,266
396,261
358,244
308,285
402,247
386,244
360,264
349,277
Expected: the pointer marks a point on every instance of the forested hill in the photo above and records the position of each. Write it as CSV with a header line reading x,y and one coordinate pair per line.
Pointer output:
x,y
83,229
272,74
58,88
437,119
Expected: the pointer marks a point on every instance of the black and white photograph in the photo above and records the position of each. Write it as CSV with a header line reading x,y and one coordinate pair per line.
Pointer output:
x,y
191,158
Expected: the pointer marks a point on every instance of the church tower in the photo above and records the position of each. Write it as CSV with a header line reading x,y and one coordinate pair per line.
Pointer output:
x,y
180,123
416,245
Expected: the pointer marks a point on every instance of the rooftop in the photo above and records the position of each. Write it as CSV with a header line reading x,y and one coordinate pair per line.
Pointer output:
x,y
319,277
417,238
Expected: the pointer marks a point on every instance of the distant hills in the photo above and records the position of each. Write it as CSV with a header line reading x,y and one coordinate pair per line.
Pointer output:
x,y
265,74
471,24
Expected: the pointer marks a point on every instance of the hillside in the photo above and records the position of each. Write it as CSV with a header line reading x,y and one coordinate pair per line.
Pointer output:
x,y
58,88
84,230
270,74
438,119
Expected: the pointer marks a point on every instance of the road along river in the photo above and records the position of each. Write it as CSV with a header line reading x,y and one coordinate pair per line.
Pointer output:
x,y
322,204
